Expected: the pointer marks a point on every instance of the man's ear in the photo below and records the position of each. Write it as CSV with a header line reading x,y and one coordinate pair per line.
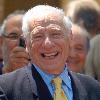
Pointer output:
x,y
70,36
27,45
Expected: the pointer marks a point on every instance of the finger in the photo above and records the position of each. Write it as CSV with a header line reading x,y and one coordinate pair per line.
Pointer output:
x,y
19,49
19,55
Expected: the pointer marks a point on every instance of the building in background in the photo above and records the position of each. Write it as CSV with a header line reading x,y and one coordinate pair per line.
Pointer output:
x,y
8,6
1,10
63,3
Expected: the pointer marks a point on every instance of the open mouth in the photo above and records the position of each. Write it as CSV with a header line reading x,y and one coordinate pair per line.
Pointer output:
x,y
49,55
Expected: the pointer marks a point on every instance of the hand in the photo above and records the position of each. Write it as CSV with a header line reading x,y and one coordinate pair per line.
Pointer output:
x,y
17,59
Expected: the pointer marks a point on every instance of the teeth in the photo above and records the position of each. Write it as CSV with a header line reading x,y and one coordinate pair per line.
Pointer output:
x,y
50,55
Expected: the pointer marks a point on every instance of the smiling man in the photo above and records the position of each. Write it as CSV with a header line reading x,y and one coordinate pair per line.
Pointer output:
x,y
47,32
79,47
14,56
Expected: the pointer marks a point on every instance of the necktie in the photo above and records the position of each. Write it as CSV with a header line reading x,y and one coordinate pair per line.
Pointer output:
x,y
59,93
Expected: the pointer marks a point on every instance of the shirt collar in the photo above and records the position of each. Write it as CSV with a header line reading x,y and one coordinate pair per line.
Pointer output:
x,y
48,77
66,78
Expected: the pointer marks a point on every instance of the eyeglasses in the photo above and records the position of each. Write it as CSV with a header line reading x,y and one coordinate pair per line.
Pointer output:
x,y
12,36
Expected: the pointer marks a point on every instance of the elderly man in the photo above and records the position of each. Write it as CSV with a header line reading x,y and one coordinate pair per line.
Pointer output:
x,y
14,56
47,32
79,47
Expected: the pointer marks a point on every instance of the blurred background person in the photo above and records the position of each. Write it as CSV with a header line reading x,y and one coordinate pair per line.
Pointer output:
x,y
14,56
85,13
79,47
92,66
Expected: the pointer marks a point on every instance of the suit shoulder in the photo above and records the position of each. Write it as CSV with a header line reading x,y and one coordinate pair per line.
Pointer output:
x,y
9,80
88,82
12,75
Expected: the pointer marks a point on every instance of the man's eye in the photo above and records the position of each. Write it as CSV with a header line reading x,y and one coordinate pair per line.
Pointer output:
x,y
79,49
37,37
13,36
56,35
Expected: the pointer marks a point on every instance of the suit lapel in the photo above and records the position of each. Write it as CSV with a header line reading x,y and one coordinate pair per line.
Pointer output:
x,y
79,92
43,90
31,82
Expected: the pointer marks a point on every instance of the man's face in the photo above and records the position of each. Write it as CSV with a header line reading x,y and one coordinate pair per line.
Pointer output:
x,y
49,45
78,53
13,32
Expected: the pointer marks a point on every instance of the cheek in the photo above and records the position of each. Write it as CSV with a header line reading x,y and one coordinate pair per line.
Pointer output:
x,y
65,52
66,49
12,45
82,57
34,49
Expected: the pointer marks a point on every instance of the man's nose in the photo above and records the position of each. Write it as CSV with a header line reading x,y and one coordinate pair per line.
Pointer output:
x,y
47,44
47,41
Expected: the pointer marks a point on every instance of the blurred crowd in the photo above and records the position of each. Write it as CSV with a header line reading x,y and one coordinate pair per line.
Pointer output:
x,y
84,55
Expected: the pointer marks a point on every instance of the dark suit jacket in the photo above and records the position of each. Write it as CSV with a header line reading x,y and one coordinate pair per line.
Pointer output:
x,y
20,85
2,95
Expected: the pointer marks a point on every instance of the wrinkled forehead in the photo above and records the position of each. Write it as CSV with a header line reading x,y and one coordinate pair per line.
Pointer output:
x,y
14,22
45,21
79,39
15,19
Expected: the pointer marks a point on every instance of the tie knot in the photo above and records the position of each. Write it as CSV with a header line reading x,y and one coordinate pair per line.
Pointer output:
x,y
57,82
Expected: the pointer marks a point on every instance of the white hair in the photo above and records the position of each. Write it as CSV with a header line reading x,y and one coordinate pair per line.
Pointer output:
x,y
11,15
43,10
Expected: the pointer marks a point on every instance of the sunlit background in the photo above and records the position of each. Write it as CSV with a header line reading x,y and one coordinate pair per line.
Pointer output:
x,y
8,6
